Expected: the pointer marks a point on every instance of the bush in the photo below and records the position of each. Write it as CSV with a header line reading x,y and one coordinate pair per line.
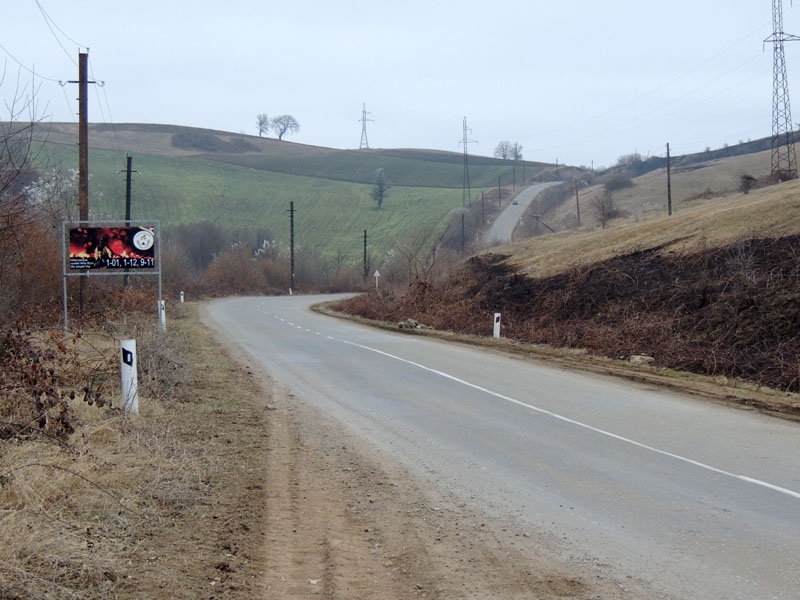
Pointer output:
x,y
618,181
746,183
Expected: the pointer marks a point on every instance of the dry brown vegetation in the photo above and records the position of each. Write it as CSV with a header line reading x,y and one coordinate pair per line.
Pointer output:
x,y
713,291
98,503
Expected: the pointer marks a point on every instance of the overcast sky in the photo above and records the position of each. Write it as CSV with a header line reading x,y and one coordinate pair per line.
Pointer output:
x,y
573,80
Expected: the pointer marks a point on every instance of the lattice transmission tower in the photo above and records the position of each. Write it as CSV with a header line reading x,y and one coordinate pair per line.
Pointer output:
x,y
364,145
466,194
784,159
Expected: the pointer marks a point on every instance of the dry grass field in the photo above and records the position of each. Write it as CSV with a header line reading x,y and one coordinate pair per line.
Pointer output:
x,y
767,212
164,504
648,195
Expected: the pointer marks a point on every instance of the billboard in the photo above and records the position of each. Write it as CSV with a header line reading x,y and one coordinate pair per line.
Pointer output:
x,y
112,248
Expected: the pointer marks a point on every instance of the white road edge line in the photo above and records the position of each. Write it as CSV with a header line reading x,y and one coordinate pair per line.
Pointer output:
x,y
543,411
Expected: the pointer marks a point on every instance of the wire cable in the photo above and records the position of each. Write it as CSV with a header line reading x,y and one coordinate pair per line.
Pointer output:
x,y
48,22
637,120
671,81
28,69
110,120
69,104
44,12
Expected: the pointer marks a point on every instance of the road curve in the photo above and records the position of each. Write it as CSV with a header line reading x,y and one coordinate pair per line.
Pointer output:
x,y
673,497
503,227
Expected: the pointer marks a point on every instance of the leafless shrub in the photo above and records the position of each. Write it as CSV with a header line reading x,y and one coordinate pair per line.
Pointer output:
x,y
746,183
730,311
604,207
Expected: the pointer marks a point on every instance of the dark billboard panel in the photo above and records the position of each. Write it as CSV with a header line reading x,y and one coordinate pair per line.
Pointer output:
x,y
112,248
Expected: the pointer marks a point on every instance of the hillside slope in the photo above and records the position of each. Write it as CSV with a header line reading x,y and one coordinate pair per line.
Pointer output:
x,y
647,196
712,290
186,175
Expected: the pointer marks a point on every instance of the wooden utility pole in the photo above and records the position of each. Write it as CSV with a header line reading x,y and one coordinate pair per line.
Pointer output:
x,y
128,171
291,246
463,233
83,153
83,136
577,203
366,267
669,184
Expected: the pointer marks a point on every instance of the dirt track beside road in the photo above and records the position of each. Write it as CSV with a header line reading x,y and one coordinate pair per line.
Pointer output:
x,y
344,520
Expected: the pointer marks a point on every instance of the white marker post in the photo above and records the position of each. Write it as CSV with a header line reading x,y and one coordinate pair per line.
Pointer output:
x,y
181,297
130,381
497,325
162,315
376,275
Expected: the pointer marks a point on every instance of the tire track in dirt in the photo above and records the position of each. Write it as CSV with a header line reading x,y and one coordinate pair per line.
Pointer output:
x,y
345,522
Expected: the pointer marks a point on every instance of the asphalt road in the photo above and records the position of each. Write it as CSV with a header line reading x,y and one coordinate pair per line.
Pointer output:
x,y
501,230
674,497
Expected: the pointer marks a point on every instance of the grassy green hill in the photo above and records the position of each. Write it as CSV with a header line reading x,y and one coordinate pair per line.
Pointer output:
x,y
187,175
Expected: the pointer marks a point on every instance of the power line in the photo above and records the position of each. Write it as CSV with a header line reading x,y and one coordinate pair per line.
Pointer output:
x,y
28,69
69,104
48,18
48,22
636,120
671,81
102,85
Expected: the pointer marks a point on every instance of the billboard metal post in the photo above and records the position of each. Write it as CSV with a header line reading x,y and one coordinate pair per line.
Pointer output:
x,y
64,278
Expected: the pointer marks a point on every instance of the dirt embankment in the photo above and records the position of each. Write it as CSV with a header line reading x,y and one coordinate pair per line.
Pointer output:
x,y
730,313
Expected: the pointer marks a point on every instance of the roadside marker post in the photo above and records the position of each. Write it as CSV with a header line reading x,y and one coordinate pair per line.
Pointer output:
x,y
128,373
181,297
377,274
162,315
496,325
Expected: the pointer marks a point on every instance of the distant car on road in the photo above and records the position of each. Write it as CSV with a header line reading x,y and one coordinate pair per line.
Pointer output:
x,y
515,203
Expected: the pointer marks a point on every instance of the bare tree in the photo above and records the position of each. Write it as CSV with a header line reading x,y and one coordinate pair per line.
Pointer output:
x,y
285,124
381,187
24,233
508,150
503,150
604,207
746,183
262,122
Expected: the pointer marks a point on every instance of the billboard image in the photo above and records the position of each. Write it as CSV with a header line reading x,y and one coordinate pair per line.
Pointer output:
x,y
112,248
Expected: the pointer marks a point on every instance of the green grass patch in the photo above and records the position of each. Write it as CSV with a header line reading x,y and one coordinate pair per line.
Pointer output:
x,y
331,215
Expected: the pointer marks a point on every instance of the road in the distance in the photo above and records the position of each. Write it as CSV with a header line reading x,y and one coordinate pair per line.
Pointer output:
x,y
501,230
673,497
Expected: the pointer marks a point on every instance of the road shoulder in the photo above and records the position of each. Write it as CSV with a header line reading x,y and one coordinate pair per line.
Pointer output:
x,y
736,394
346,520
